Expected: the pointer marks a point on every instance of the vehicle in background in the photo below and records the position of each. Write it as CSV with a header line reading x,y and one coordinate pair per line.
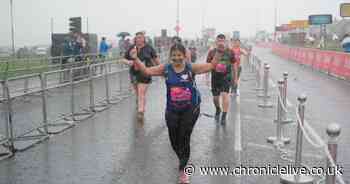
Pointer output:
x,y
41,51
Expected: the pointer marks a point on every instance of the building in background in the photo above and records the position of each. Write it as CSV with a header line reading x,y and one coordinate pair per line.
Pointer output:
x,y
163,41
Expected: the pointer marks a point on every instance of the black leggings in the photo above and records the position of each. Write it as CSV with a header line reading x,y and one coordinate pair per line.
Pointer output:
x,y
180,126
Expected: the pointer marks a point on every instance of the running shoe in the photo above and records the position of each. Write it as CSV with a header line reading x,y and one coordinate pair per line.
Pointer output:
x,y
140,116
217,115
223,121
183,178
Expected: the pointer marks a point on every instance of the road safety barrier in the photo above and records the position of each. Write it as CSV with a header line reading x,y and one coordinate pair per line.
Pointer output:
x,y
19,67
304,130
38,105
330,62
27,125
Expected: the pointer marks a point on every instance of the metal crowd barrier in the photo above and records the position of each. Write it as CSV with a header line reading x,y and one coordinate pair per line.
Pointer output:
x,y
100,84
304,130
21,134
48,64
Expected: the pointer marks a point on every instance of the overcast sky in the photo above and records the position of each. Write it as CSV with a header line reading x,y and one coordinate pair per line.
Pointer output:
x,y
108,17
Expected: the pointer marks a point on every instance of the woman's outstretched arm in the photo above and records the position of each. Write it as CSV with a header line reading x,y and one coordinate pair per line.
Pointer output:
x,y
200,68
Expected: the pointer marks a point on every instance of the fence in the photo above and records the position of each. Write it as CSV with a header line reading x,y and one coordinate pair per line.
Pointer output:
x,y
333,63
37,105
18,67
50,105
304,130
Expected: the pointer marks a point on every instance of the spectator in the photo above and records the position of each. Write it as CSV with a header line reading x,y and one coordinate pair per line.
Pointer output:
x,y
76,47
193,51
127,44
67,50
104,47
346,43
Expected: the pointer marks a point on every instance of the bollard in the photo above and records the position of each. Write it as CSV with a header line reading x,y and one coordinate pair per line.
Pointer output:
x,y
255,63
279,140
333,132
248,64
258,76
251,62
258,81
298,178
285,120
265,96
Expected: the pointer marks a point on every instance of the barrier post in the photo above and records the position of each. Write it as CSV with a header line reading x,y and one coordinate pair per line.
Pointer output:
x,y
9,114
91,89
44,100
120,66
333,132
71,80
26,81
265,95
251,62
298,178
285,120
61,75
107,83
258,75
279,140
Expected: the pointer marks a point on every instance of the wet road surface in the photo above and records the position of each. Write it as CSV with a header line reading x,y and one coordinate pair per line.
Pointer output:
x,y
112,147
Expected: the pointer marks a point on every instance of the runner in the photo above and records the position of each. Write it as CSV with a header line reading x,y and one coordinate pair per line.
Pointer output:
x,y
193,51
183,99
237,68
221,78
147,55
178,40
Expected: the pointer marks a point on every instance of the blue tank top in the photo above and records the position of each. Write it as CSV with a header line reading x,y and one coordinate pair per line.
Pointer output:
x,y
182,93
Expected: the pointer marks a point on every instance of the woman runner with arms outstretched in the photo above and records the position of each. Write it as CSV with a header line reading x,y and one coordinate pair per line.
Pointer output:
x,y
183,99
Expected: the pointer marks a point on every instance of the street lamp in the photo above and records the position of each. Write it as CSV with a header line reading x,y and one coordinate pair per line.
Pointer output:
x,y
178,18
12,29
275,24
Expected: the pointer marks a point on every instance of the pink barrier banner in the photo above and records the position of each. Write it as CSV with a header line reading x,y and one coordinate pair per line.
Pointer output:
x,y
332,62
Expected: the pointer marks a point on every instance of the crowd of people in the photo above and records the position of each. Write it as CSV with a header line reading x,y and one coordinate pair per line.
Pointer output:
x,y
73,47
183,98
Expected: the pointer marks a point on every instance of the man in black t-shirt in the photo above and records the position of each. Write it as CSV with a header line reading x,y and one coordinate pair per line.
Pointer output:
x,y
148,56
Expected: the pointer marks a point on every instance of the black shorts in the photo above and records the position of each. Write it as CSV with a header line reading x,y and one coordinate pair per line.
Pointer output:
x,y
138,77
239,72
219,86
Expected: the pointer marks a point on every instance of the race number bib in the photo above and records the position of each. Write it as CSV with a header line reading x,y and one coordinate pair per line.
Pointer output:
x,y
180,94
221,68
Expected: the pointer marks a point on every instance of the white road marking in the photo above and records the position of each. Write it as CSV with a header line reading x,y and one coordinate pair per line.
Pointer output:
x,y
238,135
